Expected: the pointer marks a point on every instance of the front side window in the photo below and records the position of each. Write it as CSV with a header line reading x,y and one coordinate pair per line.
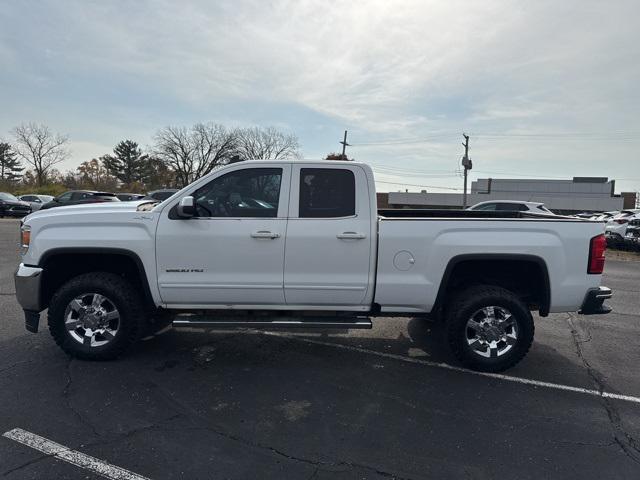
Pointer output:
x,y
327,193
65,197
487,207
253,192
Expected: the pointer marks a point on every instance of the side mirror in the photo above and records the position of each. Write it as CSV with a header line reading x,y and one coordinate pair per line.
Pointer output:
x,y
186,208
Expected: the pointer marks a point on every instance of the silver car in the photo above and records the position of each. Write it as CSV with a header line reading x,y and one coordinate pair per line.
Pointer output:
x,y
36,201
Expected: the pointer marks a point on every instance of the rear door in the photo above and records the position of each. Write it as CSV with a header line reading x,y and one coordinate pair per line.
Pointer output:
x,y
328,249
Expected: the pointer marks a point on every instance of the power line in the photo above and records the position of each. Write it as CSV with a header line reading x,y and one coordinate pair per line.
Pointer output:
x,y
407,140
611,135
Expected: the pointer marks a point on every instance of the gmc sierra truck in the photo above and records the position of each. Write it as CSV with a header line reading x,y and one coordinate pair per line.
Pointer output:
x,y
287,244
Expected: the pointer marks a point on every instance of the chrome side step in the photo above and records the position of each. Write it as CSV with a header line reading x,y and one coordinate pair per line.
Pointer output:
x,y
275,322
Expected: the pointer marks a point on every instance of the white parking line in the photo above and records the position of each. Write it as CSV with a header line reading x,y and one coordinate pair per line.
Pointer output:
x,y
498,376
74,457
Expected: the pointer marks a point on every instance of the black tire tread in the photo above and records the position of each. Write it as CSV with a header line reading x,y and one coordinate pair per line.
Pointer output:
x,y
119,290
465,300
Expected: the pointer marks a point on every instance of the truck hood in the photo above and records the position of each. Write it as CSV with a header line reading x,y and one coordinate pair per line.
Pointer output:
x,y
97,208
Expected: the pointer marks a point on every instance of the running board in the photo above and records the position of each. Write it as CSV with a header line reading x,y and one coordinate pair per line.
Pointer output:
x,y
268,323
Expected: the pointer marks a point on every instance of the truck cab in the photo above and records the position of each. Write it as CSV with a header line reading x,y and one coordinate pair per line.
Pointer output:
x,y
231,248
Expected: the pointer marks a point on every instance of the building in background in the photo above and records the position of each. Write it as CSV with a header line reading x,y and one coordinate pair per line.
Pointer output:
x,y
581,194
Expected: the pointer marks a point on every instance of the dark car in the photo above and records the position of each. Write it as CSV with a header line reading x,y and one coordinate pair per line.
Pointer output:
x,y
161,195
78,197
129,197
10,206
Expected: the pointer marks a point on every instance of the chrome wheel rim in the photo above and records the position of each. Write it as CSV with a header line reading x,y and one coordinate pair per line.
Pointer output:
x,y
92,319
491,332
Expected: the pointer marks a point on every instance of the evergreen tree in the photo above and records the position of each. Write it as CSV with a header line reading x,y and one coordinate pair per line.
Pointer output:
x,y
10,168
128,164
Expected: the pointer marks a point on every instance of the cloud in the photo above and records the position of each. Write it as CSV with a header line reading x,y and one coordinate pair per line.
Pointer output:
x,y
384,70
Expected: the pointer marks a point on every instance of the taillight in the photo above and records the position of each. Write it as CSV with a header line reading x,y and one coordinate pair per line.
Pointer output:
x,y
597,247
621,221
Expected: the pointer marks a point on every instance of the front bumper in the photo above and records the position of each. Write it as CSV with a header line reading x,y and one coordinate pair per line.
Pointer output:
x,y
594,301
17,211
28,282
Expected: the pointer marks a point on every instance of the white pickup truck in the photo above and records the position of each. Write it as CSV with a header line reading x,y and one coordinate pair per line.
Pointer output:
x,y
285,244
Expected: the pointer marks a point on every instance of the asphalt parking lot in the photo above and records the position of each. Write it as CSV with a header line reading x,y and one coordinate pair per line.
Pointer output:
x,y
370,404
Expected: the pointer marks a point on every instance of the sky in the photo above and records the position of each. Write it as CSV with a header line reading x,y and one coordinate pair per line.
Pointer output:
x,y
545,89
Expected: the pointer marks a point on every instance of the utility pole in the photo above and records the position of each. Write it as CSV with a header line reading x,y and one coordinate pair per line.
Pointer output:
x,y
344,144
466,163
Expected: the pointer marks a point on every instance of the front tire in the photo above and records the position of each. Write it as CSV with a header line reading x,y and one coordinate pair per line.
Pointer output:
x,y
489,328
96,316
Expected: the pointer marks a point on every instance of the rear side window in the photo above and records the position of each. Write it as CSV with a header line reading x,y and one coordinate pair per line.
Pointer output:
x,y
327,193
106,198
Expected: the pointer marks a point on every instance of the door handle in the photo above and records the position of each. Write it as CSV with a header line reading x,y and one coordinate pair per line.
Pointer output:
x,y
351,236
265,234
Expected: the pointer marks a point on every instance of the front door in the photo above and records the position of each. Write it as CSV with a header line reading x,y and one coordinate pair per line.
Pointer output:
x,y
329,238
232,252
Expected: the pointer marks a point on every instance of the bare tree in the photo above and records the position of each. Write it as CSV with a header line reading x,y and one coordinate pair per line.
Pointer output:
x,y
40,148
256,143
194,152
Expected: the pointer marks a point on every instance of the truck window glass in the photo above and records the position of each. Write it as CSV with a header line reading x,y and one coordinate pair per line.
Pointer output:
x,y
327,193
253,192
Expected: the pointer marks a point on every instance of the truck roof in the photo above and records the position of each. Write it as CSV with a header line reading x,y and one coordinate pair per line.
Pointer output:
x,y
297,162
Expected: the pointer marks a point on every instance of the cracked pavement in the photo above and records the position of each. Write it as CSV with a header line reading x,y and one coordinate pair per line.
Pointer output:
x,y
188,405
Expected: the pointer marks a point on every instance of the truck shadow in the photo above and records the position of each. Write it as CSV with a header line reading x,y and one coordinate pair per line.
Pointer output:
x,y
418,338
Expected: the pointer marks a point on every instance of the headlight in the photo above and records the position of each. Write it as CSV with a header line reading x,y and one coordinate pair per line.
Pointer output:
x,y
25,238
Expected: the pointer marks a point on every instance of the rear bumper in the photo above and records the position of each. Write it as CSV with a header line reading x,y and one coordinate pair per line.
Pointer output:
x,y
594,301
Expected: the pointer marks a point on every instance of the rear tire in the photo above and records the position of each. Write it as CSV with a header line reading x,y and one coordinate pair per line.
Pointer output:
x,y
96,316
489,328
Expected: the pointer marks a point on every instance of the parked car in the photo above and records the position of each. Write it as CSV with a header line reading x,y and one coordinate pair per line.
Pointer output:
x,y
161,195
36,201
605,216
510,206
588,215
632,234
616,227
78,197
130,197
10,206
303,244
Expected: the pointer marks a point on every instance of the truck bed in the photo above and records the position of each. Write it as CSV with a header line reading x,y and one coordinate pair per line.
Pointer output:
x,y
444,213
415,248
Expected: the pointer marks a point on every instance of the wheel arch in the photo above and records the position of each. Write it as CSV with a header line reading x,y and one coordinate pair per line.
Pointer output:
x,y
466,264
87,259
